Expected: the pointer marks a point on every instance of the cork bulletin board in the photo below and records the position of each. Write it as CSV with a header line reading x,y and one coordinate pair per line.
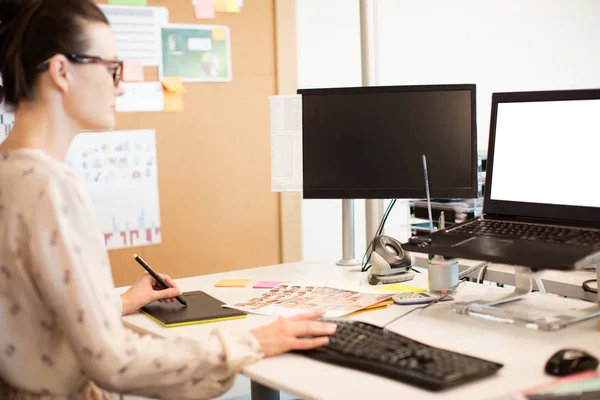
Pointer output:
x,y
217,209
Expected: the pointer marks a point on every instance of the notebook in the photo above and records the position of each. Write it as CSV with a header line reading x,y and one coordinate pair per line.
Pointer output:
x,y
541,206
201,308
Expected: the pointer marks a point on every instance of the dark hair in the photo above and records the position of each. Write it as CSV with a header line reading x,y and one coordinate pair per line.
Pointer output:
x,y
31,31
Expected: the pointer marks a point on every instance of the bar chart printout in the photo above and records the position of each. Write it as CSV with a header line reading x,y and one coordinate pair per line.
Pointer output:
x,y
120,172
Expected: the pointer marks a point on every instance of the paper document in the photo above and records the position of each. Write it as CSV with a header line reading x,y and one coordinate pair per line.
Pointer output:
x,y
120,172
286,143
195,53
141,97
289,299
137,31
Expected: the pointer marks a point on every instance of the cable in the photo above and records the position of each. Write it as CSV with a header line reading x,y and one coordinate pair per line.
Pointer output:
x,y
540,285
469,271
481,276
586,286
365,263
451,291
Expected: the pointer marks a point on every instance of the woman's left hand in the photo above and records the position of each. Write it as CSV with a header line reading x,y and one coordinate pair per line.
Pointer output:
x,y
146,290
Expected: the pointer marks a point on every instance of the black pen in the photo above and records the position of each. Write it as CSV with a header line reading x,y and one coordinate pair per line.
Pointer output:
x,y
157,277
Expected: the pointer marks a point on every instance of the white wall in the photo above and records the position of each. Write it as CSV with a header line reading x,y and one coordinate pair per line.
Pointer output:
x,y
328,42
500,45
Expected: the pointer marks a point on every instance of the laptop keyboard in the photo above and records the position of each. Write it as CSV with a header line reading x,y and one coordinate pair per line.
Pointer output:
x,y
534,232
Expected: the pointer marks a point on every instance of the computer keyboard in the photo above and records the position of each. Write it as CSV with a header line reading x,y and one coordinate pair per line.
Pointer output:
x,y
372,349
534,232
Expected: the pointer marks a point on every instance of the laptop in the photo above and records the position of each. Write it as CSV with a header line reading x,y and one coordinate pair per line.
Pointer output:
x,y
542,195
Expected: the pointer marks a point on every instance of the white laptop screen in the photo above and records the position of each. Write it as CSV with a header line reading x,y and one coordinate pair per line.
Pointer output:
x,y
547,152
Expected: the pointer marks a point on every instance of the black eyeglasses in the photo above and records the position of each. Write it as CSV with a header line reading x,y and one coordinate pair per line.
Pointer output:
x,y
115,67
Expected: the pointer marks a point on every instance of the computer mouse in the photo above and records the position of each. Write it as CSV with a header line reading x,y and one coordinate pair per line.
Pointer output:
x,y
570,361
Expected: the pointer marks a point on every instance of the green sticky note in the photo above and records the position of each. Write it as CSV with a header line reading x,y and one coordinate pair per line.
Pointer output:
x,y
129,2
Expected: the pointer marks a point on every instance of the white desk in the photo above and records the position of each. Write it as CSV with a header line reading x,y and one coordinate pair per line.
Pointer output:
x,y
523,351
567,283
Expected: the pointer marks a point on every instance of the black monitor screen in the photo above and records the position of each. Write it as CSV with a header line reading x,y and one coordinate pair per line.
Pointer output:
x,y
368,142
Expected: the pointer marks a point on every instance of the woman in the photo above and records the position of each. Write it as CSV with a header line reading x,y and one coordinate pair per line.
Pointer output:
x,y
61,334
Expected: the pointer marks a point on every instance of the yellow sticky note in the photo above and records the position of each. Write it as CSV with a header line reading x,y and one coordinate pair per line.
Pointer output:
x,y
400,288
173,93
218,33
173,101
220,6
233,283
232,6
173,84
133,71
204,9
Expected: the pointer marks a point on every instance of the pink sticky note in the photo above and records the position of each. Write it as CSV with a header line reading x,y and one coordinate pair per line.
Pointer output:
x,y
266,284
133,71
204,9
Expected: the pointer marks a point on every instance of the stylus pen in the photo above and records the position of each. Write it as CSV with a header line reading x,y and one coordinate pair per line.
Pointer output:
x,y
157,277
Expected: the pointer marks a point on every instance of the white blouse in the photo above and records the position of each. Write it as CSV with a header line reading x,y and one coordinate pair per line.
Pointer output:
x,y
61,335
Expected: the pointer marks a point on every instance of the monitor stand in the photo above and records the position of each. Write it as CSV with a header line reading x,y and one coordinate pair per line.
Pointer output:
x,y
492,310
348,259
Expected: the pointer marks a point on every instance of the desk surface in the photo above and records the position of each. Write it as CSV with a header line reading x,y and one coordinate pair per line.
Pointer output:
x,y
522,351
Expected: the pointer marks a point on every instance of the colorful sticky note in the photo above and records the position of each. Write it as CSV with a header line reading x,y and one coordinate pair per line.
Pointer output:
x,y
173,101
173,84
133,71
232,6
400,288
219,33
266,284
173,93
204,9
220,6
233,283
129,2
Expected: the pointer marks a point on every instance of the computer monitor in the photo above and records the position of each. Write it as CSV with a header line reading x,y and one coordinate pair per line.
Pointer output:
x,y
368,142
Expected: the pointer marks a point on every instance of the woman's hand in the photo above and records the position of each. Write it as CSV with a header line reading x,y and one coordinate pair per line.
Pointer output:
x,y
295,333
146,290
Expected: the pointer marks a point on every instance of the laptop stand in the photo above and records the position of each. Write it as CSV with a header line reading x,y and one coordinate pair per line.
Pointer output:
x,y
492,310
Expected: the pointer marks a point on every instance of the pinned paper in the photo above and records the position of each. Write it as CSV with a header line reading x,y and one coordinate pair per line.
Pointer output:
x,y
173,102
218,33
400,288
220,6
133,71
173,91
266,284
233,283
204,9
232,6
174,84
129,2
